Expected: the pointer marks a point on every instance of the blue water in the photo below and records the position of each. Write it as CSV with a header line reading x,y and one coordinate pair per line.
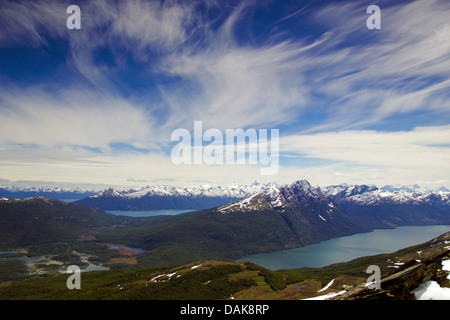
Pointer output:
x,y
347,248
149,213
8,254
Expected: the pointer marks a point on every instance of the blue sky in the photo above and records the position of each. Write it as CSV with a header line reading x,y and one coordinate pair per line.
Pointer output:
x,y
98,105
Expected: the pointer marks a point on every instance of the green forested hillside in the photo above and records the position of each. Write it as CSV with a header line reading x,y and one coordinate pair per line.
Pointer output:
x,y
212,280
40,220
212,235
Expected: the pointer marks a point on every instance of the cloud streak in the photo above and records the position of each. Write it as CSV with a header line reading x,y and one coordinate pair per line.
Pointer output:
x,y
416,149
74,118
338,92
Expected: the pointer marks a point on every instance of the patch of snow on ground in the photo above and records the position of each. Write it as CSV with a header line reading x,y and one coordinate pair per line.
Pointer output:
x,y
446,267
327,286
431,290
327,296
154,279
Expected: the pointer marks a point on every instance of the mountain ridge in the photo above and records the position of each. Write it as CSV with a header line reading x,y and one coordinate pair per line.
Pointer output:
x,y
203,197
276,218
170,197
220,193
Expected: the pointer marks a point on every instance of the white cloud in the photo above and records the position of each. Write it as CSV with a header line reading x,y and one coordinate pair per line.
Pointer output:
x,y
85,167
349,78
420,154
400,69
24,21
75,118
240,87
419,148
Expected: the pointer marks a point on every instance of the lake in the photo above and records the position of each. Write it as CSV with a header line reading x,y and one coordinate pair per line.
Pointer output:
x,y
347,248
149,213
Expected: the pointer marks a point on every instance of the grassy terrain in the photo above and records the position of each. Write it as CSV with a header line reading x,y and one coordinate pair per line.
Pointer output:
x,y
204,280
68,234
210,280
12,270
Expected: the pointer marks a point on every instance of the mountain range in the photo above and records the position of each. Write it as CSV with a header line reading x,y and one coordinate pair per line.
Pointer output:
x,y
207,196
272,218
278,218
171,197
58,193
291,215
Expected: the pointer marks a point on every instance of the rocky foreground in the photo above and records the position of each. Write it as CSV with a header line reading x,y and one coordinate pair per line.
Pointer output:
x,y
420,276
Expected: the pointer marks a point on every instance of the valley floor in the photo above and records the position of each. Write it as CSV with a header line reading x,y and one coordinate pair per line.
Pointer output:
x,y
405,274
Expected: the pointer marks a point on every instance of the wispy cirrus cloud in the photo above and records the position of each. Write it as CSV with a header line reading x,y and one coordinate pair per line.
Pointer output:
x,y
420,155
140,69
72,118
400,69
421,147
362,77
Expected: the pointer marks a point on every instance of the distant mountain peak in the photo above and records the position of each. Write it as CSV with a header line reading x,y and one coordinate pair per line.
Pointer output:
x,y
171,197
304,187
297,195
301,194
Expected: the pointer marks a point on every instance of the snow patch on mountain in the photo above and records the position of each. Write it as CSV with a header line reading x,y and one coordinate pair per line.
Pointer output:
x,y
271,194
372,195
279,198
300,193
231,191
269,198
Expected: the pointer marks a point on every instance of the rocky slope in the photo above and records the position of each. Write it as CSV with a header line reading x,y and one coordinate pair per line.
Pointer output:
x,y
428,268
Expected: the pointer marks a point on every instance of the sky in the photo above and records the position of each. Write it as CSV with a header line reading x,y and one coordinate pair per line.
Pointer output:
x,y
98,105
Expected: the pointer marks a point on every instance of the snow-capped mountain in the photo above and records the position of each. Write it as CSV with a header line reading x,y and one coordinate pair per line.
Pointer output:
x,y
59,193
338,209
269,217
299,194
258,196
171,197
372,195
231,191
307,212
208,196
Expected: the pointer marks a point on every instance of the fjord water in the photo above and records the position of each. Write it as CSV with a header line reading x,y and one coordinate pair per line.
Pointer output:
x,y
149,213
347,248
